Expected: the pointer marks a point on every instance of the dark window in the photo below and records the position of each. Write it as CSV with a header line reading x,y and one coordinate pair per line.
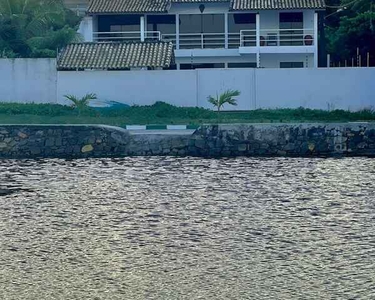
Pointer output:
x,y
163,23
291,64
291,29
238,22
242,65
202,31
201,66
291,17
127,23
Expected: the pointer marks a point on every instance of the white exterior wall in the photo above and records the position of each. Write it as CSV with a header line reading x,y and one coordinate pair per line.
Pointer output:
x,y
86,29
36,80
28,80
341,88
131,87
274,60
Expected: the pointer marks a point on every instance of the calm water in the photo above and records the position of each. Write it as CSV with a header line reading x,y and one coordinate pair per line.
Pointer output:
x,y
187,228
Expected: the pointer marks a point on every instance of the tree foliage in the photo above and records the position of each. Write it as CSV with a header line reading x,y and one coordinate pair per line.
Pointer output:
x,y
35,28
350,25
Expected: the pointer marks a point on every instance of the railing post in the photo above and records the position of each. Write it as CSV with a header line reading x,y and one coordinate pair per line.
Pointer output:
x,y
226,30
257,36
315,40
202,41
177,31
142,28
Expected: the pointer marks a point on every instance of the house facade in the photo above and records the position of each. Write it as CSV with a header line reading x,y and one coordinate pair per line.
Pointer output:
x,y
212,33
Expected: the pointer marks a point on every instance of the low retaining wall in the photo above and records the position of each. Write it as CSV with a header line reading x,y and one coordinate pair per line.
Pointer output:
x,y
79,141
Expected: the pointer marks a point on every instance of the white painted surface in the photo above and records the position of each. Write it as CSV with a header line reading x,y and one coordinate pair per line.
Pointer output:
x,y
86,29
28,80
340,88
34,80
131,87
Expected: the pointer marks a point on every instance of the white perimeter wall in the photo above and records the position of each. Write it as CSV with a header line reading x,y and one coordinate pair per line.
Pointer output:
x,y
28,80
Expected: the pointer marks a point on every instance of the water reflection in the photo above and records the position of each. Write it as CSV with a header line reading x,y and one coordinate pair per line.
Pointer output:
x,y
187,228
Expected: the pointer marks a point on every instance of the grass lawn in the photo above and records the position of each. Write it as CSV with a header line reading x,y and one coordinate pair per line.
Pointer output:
x,y
162,113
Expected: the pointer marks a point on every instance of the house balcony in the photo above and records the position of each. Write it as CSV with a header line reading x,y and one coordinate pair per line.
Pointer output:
x,y
246,41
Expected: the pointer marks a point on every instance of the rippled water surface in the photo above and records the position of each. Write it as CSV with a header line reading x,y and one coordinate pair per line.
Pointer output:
x,y
187,228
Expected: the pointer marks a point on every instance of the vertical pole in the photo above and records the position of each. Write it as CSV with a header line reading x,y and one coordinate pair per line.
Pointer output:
x,y
177,31
352,61
368,59
315,40
357,57
226,30
346,63
142,28
328,60
257,27
360,61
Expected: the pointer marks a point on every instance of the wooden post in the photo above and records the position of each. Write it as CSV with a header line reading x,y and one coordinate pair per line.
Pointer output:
x,y
328,60
357,57
368,59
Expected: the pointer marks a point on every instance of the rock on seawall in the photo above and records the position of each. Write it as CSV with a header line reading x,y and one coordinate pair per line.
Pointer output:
x,y
80,141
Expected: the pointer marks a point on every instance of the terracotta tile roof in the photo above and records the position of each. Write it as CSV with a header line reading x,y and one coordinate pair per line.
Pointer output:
x,y
116,56
128,6
198,1
276,4
161,6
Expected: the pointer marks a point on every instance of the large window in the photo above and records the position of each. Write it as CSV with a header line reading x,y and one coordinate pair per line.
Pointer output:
x,y
238,22
291,25
202,31
165,24
119,23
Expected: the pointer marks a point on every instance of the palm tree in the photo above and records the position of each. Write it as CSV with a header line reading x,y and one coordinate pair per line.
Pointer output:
x,y
225,98
21,21
81,104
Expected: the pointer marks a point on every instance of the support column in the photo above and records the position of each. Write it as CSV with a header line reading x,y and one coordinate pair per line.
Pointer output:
x,y
315,40
142,28
226,30
257,27
177,31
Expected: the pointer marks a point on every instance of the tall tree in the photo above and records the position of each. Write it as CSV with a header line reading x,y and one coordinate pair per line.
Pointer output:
x,y
35,28
350,25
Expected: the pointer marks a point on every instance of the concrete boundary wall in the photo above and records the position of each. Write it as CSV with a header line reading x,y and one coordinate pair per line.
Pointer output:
x,y
28,80
36,80
80,141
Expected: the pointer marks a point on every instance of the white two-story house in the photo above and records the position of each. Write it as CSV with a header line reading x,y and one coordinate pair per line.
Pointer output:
x,y
212,33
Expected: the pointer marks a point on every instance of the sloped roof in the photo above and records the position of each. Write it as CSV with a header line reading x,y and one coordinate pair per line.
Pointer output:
x,y
116,56
161,6
276,4
198,1
127,6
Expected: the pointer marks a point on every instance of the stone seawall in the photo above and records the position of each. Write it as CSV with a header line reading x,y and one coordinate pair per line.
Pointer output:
x,y
80,141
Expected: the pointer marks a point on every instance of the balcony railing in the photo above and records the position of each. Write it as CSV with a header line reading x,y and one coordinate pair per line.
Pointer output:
x,y
278,37
245,38
126,36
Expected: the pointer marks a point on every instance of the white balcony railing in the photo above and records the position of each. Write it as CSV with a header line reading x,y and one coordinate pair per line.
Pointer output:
x,y
278,37
245,38
126,36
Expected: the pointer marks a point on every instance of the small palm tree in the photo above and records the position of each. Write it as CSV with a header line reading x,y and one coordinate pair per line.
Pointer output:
x,y
225,98
81,104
